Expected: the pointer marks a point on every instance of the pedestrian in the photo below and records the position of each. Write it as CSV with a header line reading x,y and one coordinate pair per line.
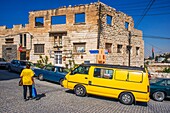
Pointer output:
x,y
27,80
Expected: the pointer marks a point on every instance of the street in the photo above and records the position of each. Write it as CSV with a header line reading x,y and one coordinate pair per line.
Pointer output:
x,y
55,99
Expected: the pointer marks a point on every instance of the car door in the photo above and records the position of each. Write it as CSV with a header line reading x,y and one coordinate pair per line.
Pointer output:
x,y
168,88
100,81
79,76
14,65
48,73
59,74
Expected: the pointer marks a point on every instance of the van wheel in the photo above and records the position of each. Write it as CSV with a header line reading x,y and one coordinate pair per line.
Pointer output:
x,y
80,90
159,96
126,98
61,82
40,77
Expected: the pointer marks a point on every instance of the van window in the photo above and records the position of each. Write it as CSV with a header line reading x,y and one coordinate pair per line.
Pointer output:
x,y
103,73
135,76
121,75
81,70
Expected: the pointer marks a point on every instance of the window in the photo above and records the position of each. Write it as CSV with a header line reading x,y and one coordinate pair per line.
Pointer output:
x,y
103,73
9,40
119,48
58,19
49,68
81,70
39,22
127,49
79,47
109,20
58,38
38,48
168,82
137,50
58,57
21,39
80,18
8,50
25,40
126,25
108,47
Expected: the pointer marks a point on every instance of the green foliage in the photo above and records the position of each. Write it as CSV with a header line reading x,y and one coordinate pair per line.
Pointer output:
x,y
166,70
43,61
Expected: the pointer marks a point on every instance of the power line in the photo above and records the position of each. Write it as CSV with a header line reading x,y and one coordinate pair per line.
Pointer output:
x,y
145,12
156,37
134,9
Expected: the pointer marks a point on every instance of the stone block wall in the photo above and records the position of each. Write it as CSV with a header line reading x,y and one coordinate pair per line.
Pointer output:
x,y
116,33
88,32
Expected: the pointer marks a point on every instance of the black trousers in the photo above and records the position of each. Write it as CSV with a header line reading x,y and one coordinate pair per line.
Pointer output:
x,y
25,90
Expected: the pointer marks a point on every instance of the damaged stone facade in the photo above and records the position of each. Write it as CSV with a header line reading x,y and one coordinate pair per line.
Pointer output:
x,y
102,27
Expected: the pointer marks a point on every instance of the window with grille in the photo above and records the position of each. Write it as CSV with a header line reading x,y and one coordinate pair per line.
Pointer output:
x,y
58,57
38,48
79,47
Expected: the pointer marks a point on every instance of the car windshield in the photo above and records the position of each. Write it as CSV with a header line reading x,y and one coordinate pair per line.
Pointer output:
x,y
156,80
2,60
61,69
23,63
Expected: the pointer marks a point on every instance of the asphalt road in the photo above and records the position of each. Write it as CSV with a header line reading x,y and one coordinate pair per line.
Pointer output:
x,y
56,99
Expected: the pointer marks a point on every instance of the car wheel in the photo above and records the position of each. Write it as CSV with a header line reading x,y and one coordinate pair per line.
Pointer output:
x,y
159,96
80,90
126,98
61,82
40,77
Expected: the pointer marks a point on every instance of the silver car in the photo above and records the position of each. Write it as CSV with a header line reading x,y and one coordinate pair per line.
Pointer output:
x,y
17,65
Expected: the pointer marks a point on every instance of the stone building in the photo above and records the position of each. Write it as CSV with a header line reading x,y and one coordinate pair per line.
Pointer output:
x,y
68,34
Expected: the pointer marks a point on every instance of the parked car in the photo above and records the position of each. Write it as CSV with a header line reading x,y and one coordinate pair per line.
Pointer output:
x,y
3,63
160,88
18,65
51,73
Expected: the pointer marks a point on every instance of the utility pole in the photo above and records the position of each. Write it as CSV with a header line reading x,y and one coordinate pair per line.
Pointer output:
x,y
129,48
99,27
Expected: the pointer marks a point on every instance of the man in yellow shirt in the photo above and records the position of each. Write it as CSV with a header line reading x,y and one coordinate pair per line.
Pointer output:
x,y
27,79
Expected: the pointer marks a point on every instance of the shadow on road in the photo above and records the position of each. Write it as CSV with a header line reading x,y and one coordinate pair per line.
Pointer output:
x,y
144,104
5,75
39,96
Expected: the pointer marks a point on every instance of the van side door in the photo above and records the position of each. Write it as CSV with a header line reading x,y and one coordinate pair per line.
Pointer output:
x,y
101,81
79,76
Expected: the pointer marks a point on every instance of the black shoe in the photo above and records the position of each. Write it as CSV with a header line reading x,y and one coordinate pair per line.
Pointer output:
x,y
30,98
26,99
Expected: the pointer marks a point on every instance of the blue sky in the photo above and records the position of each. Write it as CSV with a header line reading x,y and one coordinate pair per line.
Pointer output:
x,y
155,23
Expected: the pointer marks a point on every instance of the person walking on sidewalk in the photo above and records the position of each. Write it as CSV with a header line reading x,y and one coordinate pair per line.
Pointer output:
x,y
27,79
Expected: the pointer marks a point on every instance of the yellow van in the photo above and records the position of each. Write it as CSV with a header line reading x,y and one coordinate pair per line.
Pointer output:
x,y
128,84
